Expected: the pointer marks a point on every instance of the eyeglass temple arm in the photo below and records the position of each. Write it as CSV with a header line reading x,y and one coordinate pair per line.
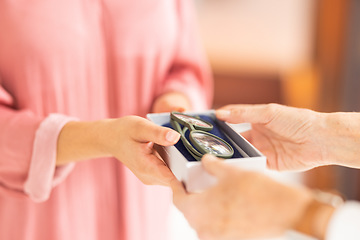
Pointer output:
x,y
197,155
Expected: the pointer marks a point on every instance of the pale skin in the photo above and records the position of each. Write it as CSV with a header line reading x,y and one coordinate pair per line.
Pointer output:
x,y
250,205
299,139
242,205
130,139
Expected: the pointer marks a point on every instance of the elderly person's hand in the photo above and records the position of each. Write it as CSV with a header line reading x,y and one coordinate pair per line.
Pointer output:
x,y
299,139
246,205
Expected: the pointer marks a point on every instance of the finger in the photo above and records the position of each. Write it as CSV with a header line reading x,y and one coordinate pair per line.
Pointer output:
x,y
178,188
247,135
230,106
170,108
215,166
256,114
179,109
153,174
155,171
165,176
150,132
179,192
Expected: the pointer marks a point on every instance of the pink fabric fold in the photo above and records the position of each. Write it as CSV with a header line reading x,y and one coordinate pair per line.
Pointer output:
x,y
88,60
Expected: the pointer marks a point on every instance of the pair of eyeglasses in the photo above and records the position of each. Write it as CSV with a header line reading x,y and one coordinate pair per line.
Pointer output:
x,y
202,141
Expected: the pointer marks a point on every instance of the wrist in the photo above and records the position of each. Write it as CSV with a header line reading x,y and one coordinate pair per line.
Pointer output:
x,y
79,141
317,214
341,138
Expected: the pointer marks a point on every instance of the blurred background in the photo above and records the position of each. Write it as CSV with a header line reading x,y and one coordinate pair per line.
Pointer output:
x,y
302,53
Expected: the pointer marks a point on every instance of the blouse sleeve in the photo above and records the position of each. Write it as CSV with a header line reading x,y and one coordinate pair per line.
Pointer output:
x,y
28,146
190,71
345,222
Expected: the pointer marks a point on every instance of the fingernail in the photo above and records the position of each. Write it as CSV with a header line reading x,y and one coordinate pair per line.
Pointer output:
x,y
172,136
223,114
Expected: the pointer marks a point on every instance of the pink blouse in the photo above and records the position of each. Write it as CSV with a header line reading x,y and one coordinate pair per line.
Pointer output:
x,y
87,60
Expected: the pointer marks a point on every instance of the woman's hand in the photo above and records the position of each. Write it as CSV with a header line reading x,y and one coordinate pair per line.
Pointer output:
x,y
242,205
172,101
129,139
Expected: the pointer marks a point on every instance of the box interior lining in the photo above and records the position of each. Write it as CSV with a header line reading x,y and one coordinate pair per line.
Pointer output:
x,y
216,131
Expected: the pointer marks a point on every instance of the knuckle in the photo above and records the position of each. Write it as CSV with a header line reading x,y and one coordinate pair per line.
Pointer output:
x,y
237,112
272,107
133,122
271,110
139,121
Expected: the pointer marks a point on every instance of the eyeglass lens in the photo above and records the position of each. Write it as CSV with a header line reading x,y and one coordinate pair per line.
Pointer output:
x,y
211,144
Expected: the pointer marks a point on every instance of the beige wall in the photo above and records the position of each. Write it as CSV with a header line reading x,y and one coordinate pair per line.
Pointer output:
x,y
255,35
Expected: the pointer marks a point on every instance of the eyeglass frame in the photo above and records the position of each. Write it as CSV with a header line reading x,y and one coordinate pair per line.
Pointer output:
x,y
198,151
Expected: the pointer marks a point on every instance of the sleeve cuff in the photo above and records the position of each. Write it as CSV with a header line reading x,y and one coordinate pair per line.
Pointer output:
x,y
344,224
43,173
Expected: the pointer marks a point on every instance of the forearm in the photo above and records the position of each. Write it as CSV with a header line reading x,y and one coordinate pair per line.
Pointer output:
x,y
341,136
79,141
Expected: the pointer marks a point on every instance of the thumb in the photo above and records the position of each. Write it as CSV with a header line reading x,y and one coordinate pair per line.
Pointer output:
x,y
256,114
150,132
215,166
